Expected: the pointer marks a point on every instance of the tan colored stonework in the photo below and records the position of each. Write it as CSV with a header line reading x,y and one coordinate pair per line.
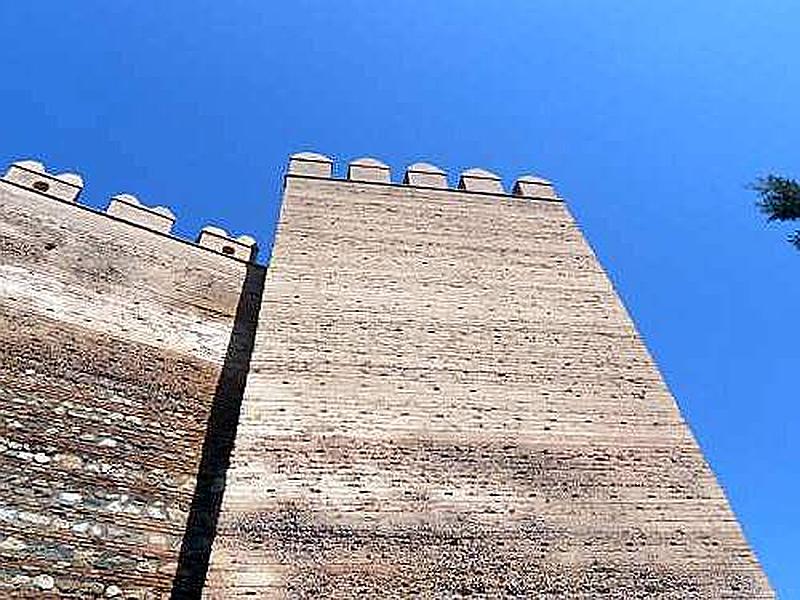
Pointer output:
x,y
447,399
113,341
444,398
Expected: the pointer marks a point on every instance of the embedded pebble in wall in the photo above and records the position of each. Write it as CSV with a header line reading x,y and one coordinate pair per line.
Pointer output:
x,y
20,580
70,497
12,544
44,582
81,527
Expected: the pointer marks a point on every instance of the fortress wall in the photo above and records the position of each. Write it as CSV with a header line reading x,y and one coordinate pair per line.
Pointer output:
x,y
447,398
114,343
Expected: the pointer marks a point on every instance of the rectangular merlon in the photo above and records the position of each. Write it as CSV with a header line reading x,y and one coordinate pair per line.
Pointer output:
x,y
425,175
128,208
369,169
480,180
217,239
311,164
530,186
32,176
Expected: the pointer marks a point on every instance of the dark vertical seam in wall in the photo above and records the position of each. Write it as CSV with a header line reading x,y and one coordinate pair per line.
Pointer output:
x,y
223,420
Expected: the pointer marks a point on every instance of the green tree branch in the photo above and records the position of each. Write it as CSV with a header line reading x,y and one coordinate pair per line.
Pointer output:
x,y
779,199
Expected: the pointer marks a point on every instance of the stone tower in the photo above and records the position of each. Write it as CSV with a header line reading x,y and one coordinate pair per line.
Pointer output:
x,y
446,399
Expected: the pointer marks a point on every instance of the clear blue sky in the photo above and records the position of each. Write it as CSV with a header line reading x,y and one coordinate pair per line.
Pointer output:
x,y
651,117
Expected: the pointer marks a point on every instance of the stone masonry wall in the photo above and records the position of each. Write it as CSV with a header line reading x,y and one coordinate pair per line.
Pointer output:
x,y
114,340
447,399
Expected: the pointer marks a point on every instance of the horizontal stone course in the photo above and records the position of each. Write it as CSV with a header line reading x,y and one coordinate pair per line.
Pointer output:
x,y
114,340
447,399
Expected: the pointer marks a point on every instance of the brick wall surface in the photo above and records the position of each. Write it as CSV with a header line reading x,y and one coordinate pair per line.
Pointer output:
x,y
447,399
113,343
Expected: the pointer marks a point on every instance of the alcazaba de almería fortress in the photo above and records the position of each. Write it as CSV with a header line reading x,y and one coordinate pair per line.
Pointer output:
x,y
428,393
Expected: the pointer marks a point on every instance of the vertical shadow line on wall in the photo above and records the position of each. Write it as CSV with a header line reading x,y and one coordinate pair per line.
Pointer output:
x,y
218,444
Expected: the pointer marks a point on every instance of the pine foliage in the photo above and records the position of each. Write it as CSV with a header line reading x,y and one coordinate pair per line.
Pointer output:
x,y
779,199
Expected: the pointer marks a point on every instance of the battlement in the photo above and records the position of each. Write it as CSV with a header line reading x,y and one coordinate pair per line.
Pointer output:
x,y
219,240
128,208
421,175
32,176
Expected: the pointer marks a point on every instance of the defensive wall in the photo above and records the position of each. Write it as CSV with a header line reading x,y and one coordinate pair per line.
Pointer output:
x,y
437,395
120,345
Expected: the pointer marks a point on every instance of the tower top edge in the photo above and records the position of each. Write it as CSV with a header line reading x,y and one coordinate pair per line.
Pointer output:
x,y
421,174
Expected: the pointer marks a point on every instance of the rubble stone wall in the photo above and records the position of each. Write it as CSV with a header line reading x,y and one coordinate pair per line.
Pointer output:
x,y
114,340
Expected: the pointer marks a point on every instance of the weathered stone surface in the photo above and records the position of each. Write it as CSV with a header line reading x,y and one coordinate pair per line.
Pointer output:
x,y
310,163
114,343
32,175
447,399
444,398
128,208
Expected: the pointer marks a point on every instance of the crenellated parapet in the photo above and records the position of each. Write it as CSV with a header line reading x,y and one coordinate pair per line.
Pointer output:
x,y
421,175
128,208
311,164
368,169
32,176
425,175
480,180
217,239
530,186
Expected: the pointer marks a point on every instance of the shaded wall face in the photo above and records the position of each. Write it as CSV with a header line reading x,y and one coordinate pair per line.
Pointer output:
x,y
113,339
447,398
